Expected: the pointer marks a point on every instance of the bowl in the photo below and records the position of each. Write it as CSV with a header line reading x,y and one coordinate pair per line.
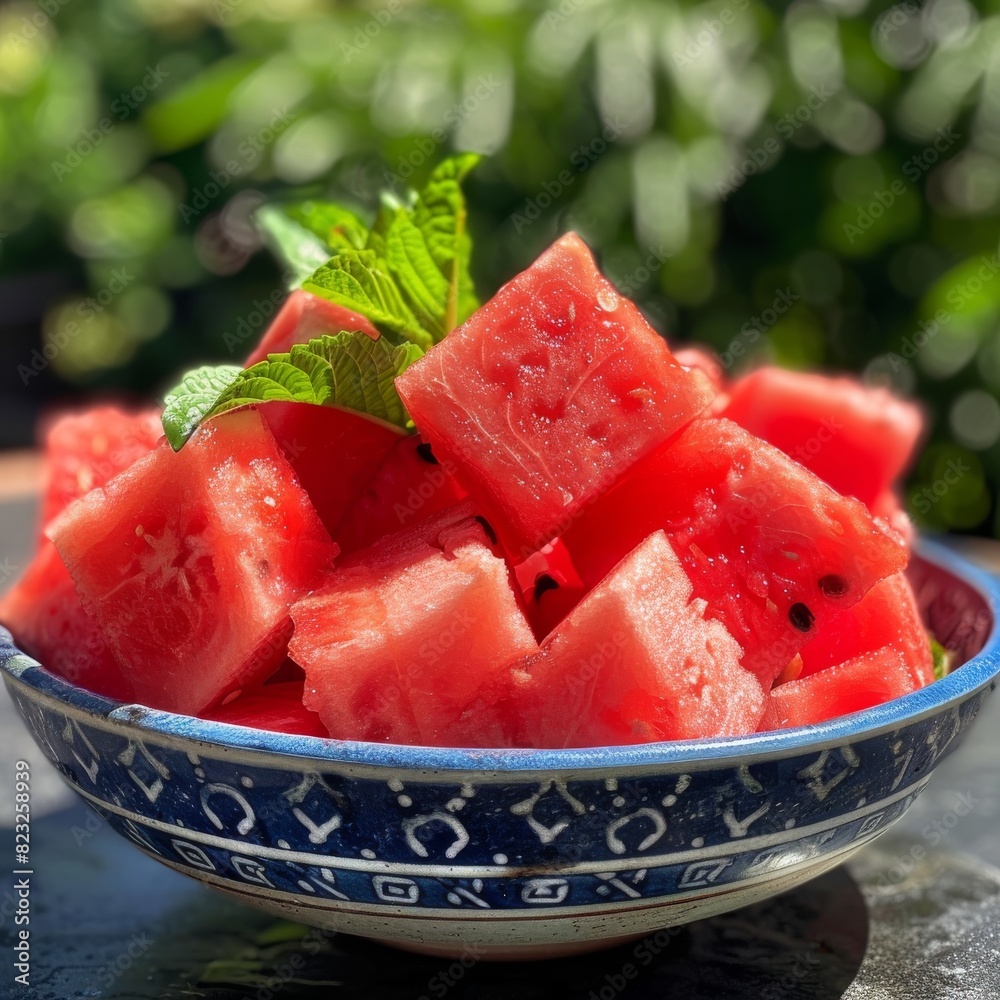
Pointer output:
x,y
515,854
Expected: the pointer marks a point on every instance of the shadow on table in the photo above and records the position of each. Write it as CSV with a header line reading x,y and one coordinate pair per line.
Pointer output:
x,y
109,922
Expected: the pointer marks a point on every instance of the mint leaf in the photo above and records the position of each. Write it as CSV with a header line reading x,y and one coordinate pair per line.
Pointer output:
x,y
187,405
418,276
304,235
338,227
346,369
440,214
362,281
941,657
300,250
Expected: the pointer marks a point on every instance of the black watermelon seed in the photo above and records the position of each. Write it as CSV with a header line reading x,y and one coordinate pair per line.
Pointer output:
x,y
543,584
488,528
426,453
801,617
834,585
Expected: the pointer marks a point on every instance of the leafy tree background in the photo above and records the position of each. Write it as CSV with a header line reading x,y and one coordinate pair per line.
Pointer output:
x,y
816,184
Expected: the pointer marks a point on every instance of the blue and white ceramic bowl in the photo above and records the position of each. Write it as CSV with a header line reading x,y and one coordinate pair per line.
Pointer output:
x,y
515,853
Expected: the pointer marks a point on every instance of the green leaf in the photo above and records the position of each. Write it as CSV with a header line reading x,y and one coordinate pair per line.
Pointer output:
x,y
338,227
360,280
187,405
299,249
440,214
418,276
346,369
941,657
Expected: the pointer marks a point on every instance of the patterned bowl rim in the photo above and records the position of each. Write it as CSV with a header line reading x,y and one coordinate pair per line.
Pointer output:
x,y
22,672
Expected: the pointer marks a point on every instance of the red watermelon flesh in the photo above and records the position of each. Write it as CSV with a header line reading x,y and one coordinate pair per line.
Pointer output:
x,y
857,438
47,620
887,616
860,683
636,661
334,452
550,586
705,361
410,635
305,317
83,450
888,507
547,394
188,563
774,551
408,487
276,708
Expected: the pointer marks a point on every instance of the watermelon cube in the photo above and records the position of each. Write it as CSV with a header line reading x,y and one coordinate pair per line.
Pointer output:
x,y
860,683
334,452
47,620
188,563
774,551
408,487
636,661
550,586
411,635
857,438
886,617
276,708
83,450
305,317
548,393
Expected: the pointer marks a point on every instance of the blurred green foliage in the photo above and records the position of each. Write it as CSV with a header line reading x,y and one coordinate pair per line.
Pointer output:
x,y
818,184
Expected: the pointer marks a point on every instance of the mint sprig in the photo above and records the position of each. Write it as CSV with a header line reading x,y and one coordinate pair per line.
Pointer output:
x,y
416,252
361,281
407,274
347,369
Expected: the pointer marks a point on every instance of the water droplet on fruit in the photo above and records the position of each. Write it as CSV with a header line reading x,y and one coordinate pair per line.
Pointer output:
x,y
543,584
426,453
801,617
607,299
834,585
270,501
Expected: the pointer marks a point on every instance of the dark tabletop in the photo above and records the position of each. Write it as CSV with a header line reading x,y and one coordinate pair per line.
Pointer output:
x,y
915,915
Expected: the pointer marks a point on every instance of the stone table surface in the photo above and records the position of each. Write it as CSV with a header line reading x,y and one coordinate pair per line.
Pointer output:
x,y
915,916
